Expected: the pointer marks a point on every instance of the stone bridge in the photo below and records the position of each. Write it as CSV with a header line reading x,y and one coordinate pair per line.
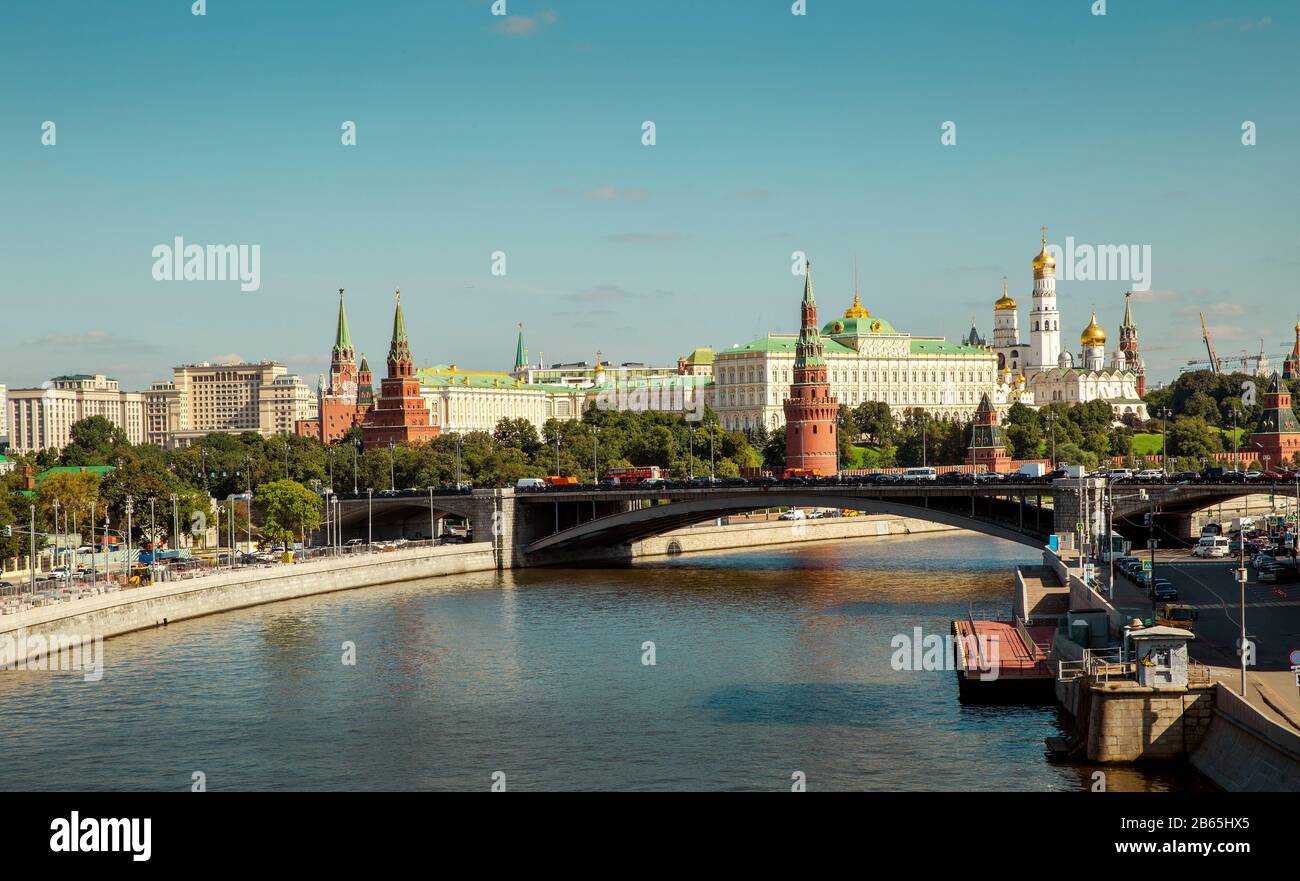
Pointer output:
x,y
557,526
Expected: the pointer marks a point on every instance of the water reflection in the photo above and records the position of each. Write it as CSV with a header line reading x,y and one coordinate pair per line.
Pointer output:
x,y
767,662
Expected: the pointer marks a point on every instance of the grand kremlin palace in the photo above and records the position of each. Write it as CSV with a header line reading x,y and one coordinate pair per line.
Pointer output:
x,y
867,360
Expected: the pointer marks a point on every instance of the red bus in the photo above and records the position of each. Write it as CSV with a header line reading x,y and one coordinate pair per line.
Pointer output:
x,y
636,475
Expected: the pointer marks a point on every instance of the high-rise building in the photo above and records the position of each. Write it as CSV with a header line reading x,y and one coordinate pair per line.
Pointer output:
x,y
202,398
42,418
810,410
4,417
400,415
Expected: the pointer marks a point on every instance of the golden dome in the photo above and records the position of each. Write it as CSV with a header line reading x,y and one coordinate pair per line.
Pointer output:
x,y
1044,260
1020,379
1004,302
857,310
1092,335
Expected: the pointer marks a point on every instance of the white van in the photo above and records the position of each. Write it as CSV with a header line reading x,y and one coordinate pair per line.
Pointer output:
x,y
920,474
1211,546
530,483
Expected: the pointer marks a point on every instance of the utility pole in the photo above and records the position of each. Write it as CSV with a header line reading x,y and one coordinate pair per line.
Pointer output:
x,y
392,468
32,560
1241,583
1164,440
93,563
130,509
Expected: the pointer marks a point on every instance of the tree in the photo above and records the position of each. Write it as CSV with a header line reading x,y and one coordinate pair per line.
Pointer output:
x,y
95,441
287,508
774,451
875,419
1193,436
75,491
517,433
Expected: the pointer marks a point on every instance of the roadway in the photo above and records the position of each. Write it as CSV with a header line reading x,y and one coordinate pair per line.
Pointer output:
x,y
1272,623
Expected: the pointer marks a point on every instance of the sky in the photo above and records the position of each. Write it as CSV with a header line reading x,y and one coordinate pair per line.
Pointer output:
x,y
523,134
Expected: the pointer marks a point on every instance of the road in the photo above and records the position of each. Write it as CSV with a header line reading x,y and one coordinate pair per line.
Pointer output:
x,y
1272,623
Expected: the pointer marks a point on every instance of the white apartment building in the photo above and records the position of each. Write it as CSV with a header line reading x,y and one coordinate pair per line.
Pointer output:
x,y
41,418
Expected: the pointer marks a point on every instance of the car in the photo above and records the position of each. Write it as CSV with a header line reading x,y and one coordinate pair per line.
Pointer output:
x,y
1151,475
1282,573
1211,546
793,514
1119,474
1163,589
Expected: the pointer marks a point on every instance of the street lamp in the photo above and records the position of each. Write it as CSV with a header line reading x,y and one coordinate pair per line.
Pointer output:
x,y
1164,413
370,517
126,566
56,533
392,468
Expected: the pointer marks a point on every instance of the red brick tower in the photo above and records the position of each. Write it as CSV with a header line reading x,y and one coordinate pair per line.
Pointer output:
x,y
810,411
988,450
338,402
1278,434
399,415
1291,366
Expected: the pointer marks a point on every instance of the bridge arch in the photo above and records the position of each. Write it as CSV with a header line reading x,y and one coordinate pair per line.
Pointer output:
x,y
636,524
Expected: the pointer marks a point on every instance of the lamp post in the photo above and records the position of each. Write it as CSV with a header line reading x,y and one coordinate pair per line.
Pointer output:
x,y
595,477
93,562
432,535
153,532
1164,413
370,517
355,444
690,454
458,440
56,534
32,560
126,565
392,468
1051,424
176,520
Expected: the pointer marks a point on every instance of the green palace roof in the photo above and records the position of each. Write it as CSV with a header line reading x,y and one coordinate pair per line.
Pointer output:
x,y
857,327
655,382
442,378
784,343
100,470
930,347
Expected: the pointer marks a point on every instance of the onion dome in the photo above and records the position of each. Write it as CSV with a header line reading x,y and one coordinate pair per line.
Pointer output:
x,y
1004,302
1044,261
857,310
1092,335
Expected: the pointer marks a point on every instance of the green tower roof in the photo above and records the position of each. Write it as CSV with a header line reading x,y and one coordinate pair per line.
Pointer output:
x,y
400,348
342,338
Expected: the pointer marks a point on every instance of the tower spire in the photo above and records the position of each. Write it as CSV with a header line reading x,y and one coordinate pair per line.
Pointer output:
x,y
399,350
342,338
521,357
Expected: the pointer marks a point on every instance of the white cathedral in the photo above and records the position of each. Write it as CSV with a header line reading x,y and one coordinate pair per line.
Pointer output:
x,y
1042,372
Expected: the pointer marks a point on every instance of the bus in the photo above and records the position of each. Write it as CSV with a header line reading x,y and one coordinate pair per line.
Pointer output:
x,y
636,474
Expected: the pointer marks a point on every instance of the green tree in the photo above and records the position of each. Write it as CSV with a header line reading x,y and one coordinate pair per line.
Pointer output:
x,y
287,509
94,441
1193,436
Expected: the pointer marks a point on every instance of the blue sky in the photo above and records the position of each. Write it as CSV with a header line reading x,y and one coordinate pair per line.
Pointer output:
x,y
774,133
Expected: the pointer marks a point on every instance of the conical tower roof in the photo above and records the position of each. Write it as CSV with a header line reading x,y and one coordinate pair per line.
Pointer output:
x,y
400,347
521,357
342,337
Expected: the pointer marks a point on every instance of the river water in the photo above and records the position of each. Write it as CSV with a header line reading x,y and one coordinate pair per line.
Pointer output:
x,y
769,665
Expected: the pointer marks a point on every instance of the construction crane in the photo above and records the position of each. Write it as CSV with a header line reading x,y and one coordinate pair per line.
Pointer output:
x,y
1209,346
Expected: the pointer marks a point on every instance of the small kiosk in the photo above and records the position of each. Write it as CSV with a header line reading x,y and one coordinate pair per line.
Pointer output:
x,y
1160,654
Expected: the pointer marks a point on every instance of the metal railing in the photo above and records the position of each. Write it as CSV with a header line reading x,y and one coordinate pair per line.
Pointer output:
x,y
51,590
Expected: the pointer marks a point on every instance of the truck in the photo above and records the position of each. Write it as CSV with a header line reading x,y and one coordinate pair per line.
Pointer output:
x,y
1033,469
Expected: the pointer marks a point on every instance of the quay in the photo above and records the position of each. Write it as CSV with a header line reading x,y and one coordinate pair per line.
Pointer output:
x,y
1137,691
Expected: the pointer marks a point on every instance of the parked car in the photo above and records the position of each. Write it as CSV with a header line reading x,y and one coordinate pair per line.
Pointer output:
x,y
1119,474
1151,475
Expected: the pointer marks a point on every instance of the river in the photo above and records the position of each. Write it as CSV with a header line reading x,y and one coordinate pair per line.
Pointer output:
x,y
769,666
